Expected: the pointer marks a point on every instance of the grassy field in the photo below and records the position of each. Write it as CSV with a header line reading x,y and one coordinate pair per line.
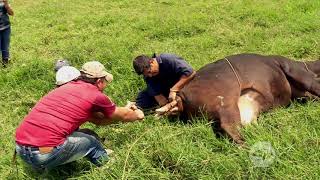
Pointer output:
x,y
114,32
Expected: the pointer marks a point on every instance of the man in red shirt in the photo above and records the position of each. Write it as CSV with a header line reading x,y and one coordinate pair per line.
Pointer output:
x,y
49,135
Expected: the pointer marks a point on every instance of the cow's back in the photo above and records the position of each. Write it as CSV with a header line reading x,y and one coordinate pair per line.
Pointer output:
x,y
224,81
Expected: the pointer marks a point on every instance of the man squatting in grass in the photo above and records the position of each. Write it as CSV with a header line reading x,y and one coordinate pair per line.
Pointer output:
x,y
5,30
165,75
49,135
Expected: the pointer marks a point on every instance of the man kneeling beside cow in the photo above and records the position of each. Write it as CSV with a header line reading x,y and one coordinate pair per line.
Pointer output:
x,y
234,90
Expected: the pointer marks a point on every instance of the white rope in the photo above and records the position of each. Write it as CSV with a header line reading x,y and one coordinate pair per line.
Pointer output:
x,y
234,71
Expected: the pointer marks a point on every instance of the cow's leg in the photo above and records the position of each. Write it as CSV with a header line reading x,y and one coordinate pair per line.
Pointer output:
x,y
231,122
302,77
216,128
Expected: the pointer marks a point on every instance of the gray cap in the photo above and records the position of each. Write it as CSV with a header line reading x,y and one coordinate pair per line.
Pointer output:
x,y
60,63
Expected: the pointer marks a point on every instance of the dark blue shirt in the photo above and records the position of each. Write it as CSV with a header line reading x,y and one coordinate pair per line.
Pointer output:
x,y
171,68
4,17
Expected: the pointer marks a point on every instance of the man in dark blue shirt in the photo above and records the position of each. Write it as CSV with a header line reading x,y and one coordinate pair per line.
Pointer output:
x,y
164,75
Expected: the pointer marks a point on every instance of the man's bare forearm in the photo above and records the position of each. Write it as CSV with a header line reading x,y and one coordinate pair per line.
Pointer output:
x,y
182,82
125,114
161,99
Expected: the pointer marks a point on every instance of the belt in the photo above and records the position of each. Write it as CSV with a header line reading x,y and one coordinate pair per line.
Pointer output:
x,y
42,150
45,150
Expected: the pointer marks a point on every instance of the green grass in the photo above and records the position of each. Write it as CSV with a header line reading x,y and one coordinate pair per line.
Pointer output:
x,y
114,32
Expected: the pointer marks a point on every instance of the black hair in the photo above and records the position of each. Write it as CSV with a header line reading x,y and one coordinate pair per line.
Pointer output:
x,y
154,55
140,63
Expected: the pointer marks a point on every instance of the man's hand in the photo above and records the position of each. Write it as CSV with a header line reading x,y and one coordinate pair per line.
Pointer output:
x,y
172,95
161,99
131,105
139,113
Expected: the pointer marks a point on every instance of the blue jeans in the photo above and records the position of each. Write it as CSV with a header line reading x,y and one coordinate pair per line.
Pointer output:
x,y
5,42
76,146
147,102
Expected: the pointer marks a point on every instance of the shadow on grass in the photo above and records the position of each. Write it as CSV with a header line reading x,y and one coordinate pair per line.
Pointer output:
x,y
70,170
213,124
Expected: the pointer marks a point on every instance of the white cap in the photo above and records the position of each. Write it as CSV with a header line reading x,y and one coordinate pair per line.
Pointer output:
x,y
66,74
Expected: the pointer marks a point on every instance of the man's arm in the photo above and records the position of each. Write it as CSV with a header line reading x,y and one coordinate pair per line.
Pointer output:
x,y
179,85
182,82
161,99
98,118
8,7
154,89
123,114
126,114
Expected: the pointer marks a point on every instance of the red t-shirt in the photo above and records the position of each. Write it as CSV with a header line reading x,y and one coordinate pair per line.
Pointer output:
x,y
61,112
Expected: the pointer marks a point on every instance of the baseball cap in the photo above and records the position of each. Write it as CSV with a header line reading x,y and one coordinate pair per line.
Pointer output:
x,y
60,63
66,74
94,69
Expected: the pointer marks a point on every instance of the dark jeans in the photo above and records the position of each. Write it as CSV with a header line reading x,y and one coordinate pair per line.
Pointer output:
x,y
147,102
5,42
76,146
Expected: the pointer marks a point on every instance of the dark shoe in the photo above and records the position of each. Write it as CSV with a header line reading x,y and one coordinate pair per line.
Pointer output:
x,y
5,61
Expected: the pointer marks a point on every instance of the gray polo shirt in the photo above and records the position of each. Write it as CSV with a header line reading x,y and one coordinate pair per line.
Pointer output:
x,y
171,68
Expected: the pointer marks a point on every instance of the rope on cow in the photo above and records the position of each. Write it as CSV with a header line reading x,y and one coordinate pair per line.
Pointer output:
x,y
305,64
234,71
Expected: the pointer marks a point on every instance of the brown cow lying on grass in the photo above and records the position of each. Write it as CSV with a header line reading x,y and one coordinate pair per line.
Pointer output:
x,y
234,90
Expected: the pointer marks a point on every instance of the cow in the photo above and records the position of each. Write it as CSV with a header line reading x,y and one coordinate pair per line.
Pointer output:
x,y
233,91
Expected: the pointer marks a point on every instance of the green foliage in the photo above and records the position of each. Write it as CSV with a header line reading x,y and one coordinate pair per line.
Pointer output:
x,y
114,32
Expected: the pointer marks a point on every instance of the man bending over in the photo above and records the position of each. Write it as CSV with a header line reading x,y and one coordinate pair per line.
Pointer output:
x,y
164,75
